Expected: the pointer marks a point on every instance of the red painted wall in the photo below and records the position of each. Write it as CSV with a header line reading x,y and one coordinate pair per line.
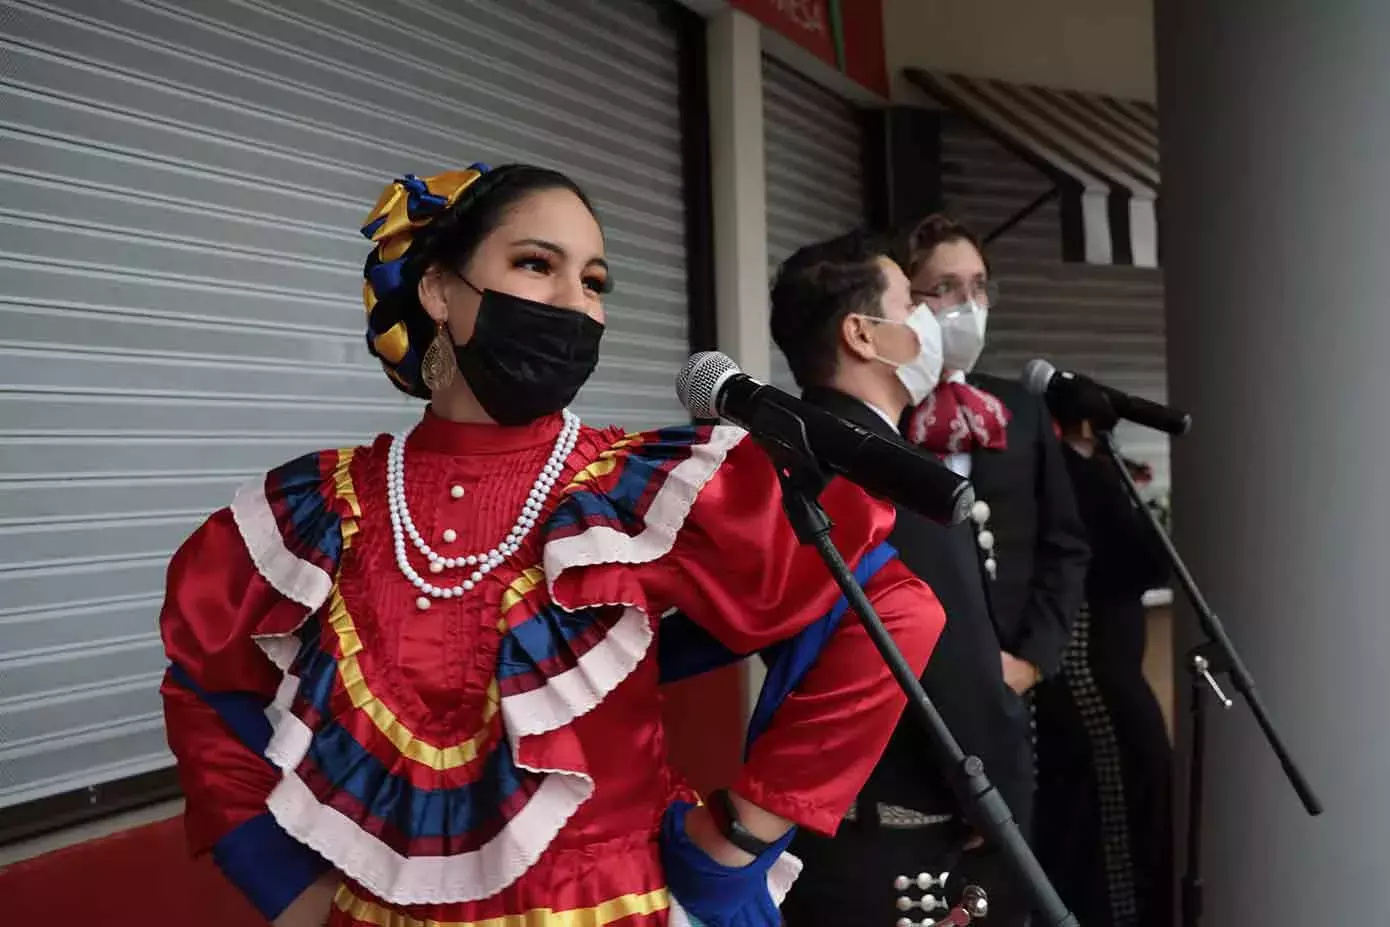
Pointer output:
x,y
132,879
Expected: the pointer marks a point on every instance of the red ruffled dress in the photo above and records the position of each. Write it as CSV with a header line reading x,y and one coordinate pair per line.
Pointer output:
x,y
500,755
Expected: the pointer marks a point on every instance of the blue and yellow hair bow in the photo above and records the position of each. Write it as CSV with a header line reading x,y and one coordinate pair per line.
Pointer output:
x,y
406,206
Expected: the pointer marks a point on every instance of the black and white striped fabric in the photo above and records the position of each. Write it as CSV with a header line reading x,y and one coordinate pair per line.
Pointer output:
x,y
1101,151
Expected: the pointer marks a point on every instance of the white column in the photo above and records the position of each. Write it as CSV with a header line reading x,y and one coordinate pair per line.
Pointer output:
x,y
739,189
1275,127
740,212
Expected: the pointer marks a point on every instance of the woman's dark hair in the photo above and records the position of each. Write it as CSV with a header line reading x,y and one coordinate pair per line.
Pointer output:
x,y
815,289
450,240
915,248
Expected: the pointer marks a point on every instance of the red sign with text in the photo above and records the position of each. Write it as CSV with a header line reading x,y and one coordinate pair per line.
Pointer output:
x,y
846,34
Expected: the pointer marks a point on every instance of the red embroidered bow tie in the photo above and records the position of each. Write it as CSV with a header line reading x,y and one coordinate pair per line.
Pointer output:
x,y
957,418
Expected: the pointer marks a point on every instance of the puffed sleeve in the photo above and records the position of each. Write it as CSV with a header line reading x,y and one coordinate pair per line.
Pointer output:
x,y
216,691
687,525
738,571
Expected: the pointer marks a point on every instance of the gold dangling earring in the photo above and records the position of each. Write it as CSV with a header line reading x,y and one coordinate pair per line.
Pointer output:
x,y
438,367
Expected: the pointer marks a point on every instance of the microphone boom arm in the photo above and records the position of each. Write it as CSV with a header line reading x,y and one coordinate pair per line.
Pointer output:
x,y
1217,655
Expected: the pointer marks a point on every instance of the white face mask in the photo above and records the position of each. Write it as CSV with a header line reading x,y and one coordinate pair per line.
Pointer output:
x,y
920,375
963,335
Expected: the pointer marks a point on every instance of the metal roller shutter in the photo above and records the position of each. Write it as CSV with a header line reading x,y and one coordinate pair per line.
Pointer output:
x,y
181,184
1106,322
813,142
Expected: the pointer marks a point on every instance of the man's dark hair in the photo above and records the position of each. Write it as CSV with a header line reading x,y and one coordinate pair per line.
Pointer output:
x,y
814,290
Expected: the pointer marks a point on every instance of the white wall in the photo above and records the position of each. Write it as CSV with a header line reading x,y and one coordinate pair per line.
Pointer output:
x,y
1102,46
738,178
738,181
1281,507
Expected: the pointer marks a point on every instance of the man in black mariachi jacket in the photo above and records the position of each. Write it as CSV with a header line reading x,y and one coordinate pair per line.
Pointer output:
x,y
886,352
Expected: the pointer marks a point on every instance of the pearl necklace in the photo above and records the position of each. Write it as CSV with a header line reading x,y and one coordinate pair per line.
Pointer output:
x,y
403,526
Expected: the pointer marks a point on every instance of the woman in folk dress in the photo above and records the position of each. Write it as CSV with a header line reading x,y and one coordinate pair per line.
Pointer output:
x,y
416,682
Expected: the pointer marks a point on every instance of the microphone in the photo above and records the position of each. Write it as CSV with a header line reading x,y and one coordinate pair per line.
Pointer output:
x,y
710,386
1076,396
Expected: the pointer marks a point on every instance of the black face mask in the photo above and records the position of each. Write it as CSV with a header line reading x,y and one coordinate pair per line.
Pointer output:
x,y
526,359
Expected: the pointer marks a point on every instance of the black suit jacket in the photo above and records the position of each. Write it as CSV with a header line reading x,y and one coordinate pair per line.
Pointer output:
x,y
963,678
1041,540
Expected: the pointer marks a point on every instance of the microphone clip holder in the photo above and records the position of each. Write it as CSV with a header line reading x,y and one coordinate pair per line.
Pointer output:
x,y
1102,414
783,436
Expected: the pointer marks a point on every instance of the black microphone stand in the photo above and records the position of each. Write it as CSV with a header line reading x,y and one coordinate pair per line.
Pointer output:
x,y
783,436
1216,655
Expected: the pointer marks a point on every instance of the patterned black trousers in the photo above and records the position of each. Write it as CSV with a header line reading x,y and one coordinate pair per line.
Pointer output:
x,y
1104,832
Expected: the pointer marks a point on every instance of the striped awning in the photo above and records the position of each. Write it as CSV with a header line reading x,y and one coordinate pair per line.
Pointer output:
x,y
1102,152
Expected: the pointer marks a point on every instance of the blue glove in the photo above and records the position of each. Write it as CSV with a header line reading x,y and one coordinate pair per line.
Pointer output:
x,y
712,894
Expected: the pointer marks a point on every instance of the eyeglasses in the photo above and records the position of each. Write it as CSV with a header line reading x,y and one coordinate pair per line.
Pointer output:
x,y
951,293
